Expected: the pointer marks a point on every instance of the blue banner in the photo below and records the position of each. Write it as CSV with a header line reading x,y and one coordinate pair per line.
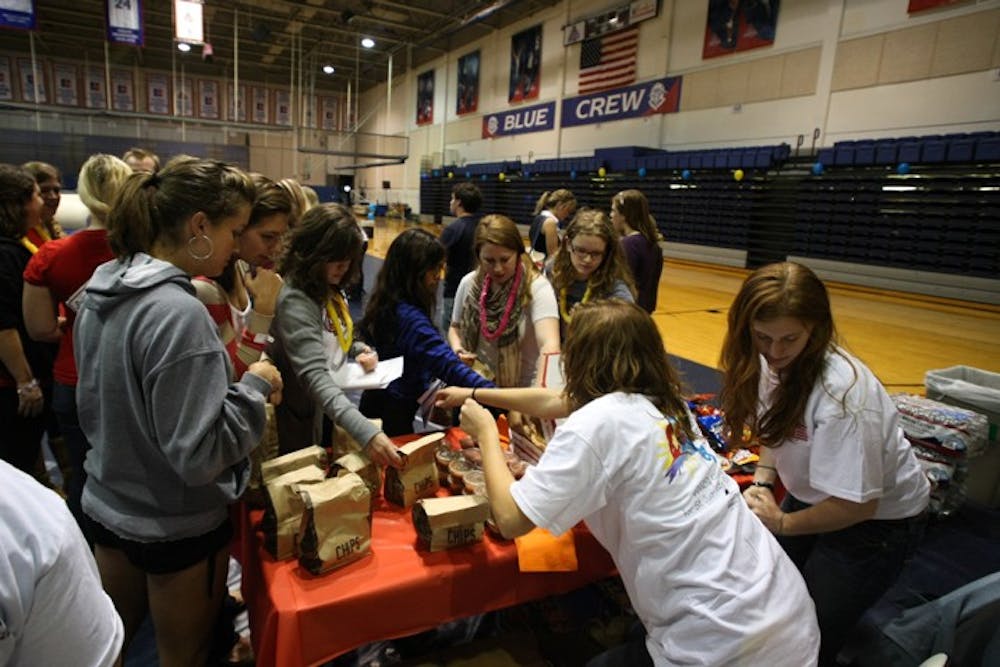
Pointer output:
x,y
537,118
645,99
17,14
125,22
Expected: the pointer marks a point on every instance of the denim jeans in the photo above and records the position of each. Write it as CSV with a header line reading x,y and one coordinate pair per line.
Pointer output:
x,y
848,570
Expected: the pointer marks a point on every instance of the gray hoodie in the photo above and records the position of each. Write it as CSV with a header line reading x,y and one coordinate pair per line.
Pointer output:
x,y
170,435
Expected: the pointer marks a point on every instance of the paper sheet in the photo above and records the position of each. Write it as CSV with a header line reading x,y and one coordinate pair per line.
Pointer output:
x,y
351,376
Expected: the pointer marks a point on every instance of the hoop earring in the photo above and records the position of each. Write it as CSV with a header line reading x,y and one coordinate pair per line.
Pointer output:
x,y
196,256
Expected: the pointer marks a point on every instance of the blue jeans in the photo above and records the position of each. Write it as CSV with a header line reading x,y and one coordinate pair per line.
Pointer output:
x,y
848,570
64,407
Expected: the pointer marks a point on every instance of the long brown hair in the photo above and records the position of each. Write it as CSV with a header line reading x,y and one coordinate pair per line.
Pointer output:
x,y
778,290
401,280
155,207
613,345
326,233
634,207
17,188
592,222
549,200
502,231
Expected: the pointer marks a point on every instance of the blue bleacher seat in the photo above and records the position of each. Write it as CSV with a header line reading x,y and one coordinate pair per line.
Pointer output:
x,y
934,150
763,157
843,153
886,151
716,159
864,152
988,149
961,149
825,155
695,160
910,151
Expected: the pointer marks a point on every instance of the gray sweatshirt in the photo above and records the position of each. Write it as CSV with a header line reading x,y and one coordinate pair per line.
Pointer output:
x,y
170,434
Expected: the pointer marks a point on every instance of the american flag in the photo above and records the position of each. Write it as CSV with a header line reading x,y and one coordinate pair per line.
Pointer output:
x,y
608,61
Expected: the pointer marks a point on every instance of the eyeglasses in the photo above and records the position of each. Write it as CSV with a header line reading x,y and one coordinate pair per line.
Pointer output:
x,y
587,254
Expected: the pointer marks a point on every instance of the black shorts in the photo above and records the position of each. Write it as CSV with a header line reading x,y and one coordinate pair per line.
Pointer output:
x,y
166,556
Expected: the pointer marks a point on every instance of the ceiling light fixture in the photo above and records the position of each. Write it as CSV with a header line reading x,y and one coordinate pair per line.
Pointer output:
x,y
328,69
183,47
367,42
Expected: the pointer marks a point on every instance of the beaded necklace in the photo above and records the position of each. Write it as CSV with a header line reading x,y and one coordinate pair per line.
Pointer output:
x,y
505,317
562,303
341,322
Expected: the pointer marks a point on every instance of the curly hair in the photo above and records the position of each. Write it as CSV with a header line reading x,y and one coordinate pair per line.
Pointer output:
x,y
326,233
784,289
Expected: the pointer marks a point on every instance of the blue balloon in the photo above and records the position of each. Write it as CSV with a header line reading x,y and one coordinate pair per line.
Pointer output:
x,y
642,172
686,174
817,168
572,175
527,174
903,168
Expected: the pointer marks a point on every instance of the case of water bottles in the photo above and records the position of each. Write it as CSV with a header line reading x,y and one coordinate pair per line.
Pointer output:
x,y
979,391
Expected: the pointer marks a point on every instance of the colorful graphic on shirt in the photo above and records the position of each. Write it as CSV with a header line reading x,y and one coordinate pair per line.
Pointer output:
x,y
677,451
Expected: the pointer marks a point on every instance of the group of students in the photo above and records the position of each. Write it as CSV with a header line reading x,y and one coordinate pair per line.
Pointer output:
x,y
208,268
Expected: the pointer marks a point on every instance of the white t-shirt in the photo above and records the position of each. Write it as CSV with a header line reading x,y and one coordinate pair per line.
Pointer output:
x,y
851,445
543,305
709,582
53,610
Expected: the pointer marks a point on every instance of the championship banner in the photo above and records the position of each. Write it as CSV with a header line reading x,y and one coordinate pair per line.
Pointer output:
x,y
28,81
645,99
261,108
240,115
96,97
65,82
468,84
536,118
17,14
122,93
6,84
425,98
739,26
329,115
124,19
283,107
184,99
525,65
208,99
157,97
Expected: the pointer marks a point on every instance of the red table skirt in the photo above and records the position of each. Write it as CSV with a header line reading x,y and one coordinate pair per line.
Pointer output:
x,y
399,589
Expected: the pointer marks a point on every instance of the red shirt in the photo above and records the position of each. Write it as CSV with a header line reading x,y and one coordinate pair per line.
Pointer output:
x,y
64,266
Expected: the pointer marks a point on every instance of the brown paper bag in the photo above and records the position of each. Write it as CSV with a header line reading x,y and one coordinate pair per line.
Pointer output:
x,y
283,511
265,451
443,523
342,443
336,523
300,458
362,466
418,478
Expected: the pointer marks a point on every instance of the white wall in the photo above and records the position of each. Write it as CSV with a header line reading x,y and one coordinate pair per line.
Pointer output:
x,y
671,44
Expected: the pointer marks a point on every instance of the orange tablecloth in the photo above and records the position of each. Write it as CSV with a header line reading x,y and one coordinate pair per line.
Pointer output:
x,y
300,619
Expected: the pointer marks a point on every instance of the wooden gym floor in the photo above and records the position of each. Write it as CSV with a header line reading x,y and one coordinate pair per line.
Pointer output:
x,y
899,335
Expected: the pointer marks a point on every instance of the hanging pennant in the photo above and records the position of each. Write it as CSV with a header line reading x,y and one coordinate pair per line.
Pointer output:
x,y
17,14
125,22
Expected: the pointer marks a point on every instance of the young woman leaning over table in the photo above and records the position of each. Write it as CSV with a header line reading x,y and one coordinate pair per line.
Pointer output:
x,y
170,433
589,265
856,497
398,322
505,314
314,333
709,583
